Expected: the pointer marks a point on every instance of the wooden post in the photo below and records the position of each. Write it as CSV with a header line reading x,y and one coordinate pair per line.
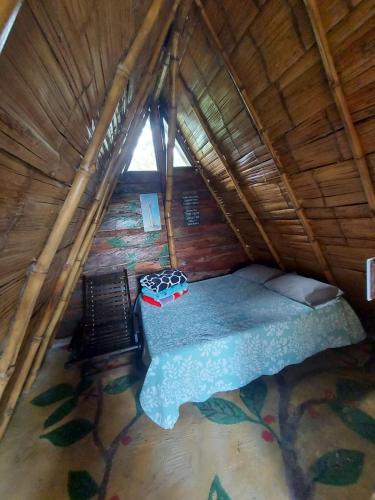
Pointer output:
x,y
8,13
39,271
159,141
253,114
172,123
196,162
211,138
341,102
162,77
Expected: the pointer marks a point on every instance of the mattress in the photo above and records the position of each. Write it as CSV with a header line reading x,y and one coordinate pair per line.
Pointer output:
x,y
226,332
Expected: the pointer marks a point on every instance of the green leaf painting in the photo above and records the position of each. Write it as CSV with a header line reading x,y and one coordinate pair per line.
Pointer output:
x,y
217,492
131,260
253,395
120,384
340,467
221,411
164,256
69,433
81,485
357,420
116,242
134,222
152,237
351,390
132,206
61,412
54,394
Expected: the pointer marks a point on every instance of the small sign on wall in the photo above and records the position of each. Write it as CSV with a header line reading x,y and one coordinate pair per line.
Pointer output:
x,y
190,203
150,212
370,278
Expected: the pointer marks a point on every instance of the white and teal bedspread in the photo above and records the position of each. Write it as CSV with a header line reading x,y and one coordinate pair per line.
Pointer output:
x,y
226,332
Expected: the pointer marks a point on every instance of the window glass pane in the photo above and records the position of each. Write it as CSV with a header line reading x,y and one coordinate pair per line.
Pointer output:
x,y
179,157
144,153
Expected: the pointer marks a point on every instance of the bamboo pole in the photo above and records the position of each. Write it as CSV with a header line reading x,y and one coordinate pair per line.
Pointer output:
x,y
34,356
159,141
8,13
226,214
119,158
162,77
196,162
172,123
73,279
228,169
253,114
74,275
26,365
39,271
39,346
341,102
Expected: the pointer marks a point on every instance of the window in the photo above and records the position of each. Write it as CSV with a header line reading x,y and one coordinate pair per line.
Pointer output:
x,y
179,157
144,153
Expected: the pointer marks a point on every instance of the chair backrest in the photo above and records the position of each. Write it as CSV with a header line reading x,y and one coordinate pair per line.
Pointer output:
x,y
107,313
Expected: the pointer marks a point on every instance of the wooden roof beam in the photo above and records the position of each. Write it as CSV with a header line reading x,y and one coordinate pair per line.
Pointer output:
x,y
341,102
243,198
158,139
8,13
253,114
196,162
172,126
39,270
124,147
54,311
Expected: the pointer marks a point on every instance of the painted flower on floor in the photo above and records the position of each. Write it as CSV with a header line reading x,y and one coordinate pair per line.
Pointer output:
x,y
336,467
343,395
217,492
81,485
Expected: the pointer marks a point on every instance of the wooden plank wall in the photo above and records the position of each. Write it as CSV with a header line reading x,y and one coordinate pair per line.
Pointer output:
x,y
207,250
203,251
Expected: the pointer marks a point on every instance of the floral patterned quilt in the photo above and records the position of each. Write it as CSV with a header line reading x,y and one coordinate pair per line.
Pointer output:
x,y
226,332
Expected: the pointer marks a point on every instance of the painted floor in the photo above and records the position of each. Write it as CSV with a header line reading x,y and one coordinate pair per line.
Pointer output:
x,y
308,432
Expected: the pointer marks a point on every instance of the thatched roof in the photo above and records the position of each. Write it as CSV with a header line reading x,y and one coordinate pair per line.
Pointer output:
x,y
275,103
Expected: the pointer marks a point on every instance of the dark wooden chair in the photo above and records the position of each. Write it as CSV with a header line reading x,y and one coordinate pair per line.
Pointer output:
x,y
107,326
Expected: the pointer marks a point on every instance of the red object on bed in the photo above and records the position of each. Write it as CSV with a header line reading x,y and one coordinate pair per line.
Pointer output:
x,y
162,302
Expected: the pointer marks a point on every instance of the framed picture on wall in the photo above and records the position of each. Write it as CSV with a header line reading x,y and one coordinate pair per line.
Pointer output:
x,y
150,212
370,278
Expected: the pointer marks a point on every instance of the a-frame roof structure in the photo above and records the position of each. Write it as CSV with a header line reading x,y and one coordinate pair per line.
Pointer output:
x,y
273,101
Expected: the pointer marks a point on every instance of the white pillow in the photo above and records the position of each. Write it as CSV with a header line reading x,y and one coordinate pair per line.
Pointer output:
x,y
258,273
311,292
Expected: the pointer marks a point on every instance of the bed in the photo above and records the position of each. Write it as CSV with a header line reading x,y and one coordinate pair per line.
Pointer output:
x,y
226,332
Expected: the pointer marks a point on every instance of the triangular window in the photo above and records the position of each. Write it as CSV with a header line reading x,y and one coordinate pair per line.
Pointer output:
x,y
179,157
144,153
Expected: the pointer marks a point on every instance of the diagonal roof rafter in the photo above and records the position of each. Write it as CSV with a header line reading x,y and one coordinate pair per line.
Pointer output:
x,y
254,117
38,274
229,170
196,162
337,91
